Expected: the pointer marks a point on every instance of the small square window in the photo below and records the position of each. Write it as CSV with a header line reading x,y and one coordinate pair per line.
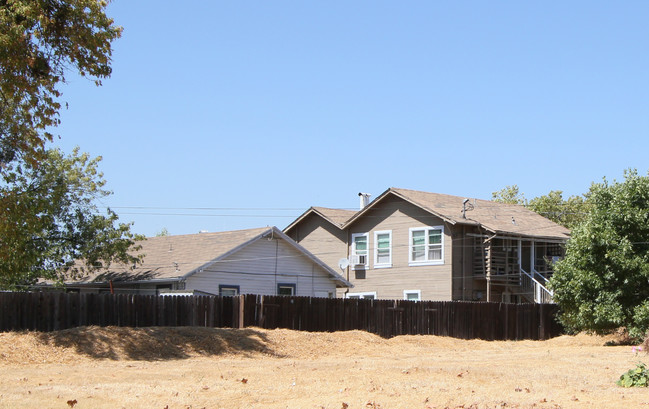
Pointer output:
x,y
228,290
412,295
286,289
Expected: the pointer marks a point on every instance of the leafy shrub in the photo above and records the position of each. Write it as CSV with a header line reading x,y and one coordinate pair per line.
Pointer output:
x,y
639,376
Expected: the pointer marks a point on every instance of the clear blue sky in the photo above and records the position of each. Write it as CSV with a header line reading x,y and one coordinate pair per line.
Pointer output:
x,y
258,110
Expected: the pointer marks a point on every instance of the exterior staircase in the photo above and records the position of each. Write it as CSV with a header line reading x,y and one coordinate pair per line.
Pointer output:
x,y
534,287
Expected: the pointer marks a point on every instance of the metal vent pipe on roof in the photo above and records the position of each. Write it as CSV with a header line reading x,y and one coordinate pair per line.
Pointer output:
x,y
364,199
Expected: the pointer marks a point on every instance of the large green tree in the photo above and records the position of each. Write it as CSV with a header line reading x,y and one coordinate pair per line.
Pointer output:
x,y
603,281
41,41
50,226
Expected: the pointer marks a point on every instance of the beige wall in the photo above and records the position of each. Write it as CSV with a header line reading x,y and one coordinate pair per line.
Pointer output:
x,y
322,239
398,216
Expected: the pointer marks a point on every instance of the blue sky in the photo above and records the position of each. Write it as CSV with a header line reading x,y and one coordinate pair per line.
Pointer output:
x,y
229,115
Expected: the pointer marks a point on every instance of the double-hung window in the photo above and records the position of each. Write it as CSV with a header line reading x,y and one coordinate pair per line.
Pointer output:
x,y
426,245
383,249
360,252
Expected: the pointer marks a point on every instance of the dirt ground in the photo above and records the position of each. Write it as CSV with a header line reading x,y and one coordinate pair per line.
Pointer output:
x,y
169,368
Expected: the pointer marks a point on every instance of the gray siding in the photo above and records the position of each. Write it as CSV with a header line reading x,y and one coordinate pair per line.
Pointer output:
x,y
260,266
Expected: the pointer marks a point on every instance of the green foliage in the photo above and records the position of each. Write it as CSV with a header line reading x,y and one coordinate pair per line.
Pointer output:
x,y
509,194
639,376
162,233
49,219
568,213
41,40
602,283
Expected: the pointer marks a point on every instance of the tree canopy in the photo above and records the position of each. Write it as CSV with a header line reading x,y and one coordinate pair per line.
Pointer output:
x,y
48,213
40,41
566,212
49,219
603,282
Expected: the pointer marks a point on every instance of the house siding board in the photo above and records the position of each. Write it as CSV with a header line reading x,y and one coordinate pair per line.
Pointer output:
x,y
253,270
399,216
464,284
321,238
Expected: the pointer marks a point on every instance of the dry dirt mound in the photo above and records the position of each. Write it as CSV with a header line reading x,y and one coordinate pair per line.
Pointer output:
x,y
159,343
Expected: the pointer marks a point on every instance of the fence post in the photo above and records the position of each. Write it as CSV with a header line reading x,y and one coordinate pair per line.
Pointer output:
x,y
242,309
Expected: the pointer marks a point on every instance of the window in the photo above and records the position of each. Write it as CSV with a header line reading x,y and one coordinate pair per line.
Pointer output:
x,y
366,295
383,249
360,252
228,290
285,289
161,288
412,295
426,245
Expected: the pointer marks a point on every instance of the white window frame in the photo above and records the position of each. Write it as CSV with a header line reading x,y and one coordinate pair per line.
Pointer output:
x,y
367,251
406,292
362,295
426,261
292,286
376,249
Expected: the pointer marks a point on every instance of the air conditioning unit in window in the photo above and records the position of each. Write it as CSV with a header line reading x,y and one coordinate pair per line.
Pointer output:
x,y
359,259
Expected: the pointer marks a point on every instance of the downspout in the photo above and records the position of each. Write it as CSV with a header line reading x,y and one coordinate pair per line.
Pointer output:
x,y
463,272
349,266
276,253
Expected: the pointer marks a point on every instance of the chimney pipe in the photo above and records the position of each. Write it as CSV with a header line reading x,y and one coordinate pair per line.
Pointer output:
x,y
364,199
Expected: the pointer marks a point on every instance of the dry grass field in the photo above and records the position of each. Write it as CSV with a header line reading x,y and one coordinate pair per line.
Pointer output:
x,y
167,368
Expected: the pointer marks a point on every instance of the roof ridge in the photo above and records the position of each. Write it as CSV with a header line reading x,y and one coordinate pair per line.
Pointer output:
x,y
213,233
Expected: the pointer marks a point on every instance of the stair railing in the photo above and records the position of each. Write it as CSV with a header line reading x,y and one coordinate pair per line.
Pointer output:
x,y
531,285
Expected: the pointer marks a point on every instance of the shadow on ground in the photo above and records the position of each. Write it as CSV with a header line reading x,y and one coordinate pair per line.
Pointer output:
x,y
159,343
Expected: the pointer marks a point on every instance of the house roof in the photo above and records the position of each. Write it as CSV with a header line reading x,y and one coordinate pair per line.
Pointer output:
x,y
170,258
495,217
500,218
337,217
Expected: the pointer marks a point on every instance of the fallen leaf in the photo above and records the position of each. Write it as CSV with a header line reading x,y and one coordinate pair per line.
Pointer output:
x,y
345,406
71,403
244,380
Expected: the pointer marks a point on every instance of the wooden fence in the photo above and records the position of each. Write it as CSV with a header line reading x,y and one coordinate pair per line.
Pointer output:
x,y
45,311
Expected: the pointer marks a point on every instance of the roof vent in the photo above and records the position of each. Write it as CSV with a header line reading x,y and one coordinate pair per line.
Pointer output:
x,y
364,199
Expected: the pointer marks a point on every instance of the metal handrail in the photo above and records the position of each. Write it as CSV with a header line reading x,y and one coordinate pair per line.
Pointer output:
x,y
541,293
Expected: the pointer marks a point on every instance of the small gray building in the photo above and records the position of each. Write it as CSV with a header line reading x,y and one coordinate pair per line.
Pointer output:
x,y
254,261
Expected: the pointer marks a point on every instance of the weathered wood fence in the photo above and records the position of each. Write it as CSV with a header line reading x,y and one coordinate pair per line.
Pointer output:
x,y
45,311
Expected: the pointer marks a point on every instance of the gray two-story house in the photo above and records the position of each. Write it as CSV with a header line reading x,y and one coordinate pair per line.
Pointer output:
x,y
409,244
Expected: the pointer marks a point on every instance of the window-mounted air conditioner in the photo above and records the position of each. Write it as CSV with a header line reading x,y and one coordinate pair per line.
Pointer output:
x,y
359,259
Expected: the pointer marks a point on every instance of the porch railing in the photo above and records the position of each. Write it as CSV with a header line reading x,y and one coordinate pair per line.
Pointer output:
x,y
531,285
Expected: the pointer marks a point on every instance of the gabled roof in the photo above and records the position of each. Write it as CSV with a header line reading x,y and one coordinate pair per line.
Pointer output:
x,y
495,217
501,218
336,217
170,258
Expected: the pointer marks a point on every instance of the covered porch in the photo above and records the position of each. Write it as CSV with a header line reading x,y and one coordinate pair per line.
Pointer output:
x,y
515,269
